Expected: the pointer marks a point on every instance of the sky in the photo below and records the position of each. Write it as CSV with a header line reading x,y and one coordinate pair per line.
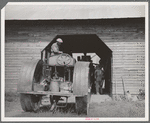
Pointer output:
x,y
51,11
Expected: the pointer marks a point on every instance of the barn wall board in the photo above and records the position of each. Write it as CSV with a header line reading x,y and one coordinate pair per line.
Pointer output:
x,y
128,66
125,37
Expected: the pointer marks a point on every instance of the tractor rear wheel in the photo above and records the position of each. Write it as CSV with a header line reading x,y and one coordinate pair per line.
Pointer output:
x,y
82,86
82,104
30,102
31,72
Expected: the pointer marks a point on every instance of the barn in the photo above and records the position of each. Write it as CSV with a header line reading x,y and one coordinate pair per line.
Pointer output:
x,y
123,36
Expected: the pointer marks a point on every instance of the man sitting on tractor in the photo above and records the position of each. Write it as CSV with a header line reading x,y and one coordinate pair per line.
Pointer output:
x,y
55,47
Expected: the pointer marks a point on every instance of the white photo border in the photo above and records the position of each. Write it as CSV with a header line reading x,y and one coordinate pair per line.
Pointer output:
x,y
3,118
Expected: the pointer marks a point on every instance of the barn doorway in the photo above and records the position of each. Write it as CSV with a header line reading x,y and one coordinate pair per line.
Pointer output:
x,y
86,44
107,79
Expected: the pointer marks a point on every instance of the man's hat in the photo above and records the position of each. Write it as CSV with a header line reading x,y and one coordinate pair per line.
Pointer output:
x,y
59,40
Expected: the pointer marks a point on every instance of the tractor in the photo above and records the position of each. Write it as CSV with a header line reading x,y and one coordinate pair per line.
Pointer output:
x,y
58,76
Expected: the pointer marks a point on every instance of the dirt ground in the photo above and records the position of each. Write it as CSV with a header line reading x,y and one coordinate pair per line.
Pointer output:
x,y
97,109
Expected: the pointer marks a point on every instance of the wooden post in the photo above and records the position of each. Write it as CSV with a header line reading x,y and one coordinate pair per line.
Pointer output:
x,y
123,86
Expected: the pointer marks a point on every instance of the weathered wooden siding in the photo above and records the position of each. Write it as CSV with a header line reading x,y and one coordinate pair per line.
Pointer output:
x,y
125,37
128,66
15,54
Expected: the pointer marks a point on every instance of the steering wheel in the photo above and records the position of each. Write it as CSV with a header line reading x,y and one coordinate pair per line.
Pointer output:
x,y
64,59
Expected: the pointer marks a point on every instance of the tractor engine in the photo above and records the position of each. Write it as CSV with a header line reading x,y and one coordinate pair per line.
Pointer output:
x,y
58,73
62,80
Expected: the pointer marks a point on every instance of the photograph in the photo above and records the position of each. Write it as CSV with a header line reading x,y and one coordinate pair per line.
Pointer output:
x,y
74,61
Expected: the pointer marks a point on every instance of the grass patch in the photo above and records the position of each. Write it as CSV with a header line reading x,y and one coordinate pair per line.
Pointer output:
x,y
11,101
118,109
105,109
11,96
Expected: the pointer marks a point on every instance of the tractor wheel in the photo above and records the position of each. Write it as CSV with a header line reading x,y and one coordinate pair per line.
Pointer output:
x,y
82,104
22,101
30,102
31,72
82,86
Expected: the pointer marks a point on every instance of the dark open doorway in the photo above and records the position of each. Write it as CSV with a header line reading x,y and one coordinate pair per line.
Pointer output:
x,y
88,43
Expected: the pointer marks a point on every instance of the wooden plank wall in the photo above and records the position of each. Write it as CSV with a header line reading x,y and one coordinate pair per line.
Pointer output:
x,y
128,66
15,54
125,37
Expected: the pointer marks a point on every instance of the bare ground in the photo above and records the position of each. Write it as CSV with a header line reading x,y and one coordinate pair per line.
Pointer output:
x,y
96,109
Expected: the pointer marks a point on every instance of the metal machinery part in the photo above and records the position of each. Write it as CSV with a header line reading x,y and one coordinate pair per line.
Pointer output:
x,y
30,102
64,59
82,86
30,75
60,84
